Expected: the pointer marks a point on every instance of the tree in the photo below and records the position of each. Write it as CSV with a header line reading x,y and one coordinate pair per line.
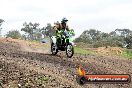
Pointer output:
x,y
119,38
123,32
37,34
24,37
15,34
124,37
32,31
128,41
43,31
1,21
49,30
90,36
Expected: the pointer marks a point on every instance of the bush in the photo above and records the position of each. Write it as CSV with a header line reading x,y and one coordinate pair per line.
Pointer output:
x,y
13,34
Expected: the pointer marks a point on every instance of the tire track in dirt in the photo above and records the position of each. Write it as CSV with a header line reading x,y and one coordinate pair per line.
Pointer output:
x,y
72,63
35,67
65,68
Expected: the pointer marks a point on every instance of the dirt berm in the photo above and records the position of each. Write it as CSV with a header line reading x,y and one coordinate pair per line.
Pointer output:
x,y
28,68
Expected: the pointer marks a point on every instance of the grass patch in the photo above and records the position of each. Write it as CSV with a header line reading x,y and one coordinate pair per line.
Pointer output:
x,y
82,51
43,78
34,41
127,54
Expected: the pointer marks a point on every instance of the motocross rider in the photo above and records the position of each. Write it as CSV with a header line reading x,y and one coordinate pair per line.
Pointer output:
x,y
65,28
62,29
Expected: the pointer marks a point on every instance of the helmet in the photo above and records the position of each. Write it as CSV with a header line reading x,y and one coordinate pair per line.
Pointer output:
x,y
64,20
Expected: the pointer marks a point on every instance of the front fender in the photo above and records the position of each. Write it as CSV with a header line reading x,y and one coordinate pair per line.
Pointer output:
x,y
53,39
71,41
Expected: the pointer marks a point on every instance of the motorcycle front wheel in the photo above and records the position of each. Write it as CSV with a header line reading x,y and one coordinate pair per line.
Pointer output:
x,y
69,50
54,49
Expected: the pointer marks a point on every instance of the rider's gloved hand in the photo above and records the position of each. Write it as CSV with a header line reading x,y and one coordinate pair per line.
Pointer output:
x,y
66,33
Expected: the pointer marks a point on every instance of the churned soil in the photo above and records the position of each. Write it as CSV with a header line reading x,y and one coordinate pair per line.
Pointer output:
x,y
37,68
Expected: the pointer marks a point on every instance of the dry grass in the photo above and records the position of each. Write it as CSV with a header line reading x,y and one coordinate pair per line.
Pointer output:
x,y
109,50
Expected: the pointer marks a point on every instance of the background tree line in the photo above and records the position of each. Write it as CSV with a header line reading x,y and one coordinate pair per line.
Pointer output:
x,y
92,37
1,21
32,31
117,38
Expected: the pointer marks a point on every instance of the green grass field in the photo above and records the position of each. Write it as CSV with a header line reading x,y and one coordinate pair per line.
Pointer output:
x,y
82,51
127,54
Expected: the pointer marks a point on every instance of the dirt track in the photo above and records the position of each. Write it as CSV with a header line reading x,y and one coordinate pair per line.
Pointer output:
x,y
20,68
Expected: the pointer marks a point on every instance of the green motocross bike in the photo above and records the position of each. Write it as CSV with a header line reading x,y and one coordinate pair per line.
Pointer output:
x,y
63,42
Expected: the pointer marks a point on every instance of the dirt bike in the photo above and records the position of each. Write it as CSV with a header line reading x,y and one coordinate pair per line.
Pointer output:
x,y
63,43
